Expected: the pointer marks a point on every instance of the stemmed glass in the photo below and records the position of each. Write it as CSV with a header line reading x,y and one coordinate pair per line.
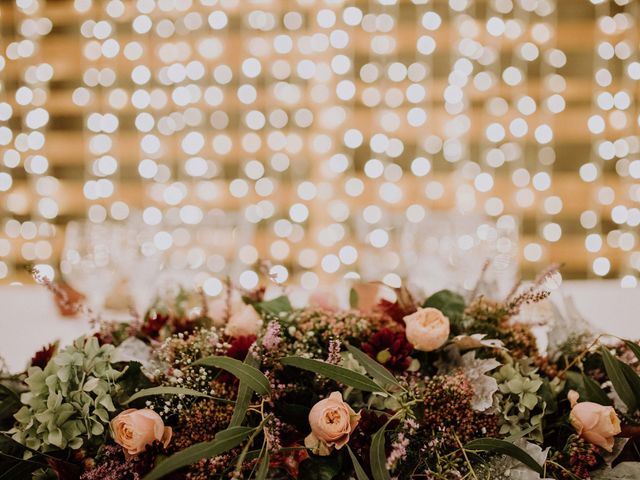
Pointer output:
x,y
139,262
87,263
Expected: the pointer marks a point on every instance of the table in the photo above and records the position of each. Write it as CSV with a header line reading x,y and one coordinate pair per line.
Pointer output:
x,y
30,320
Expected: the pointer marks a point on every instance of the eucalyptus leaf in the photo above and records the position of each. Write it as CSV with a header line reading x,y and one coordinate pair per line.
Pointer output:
x,y
373,368
222,442
505,448
360,473
634,347
334,372
263,466
244,395
377,455
150,392
593,391
619,380
254,378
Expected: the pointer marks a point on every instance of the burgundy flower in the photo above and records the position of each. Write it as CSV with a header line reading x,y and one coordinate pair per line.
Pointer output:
x,y
403,306
289,461
42,356
389,348
238,350
153,323
240,346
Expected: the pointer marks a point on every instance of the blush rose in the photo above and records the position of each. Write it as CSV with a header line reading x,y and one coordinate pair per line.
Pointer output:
x,y
427,329
332,421
134,429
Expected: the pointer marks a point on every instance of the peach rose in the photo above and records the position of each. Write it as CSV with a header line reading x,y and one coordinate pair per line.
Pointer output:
x,y
134,429
427,329
596,423
245,321
332,421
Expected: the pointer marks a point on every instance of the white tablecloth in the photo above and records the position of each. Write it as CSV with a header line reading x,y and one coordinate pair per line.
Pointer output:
x,y
29,318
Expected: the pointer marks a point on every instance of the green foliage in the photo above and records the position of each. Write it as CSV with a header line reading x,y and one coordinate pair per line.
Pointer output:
x,y
450,303
334,372
625,381
253,377
377,455
69,401
223,441
503,447
321,468
132,380
521,402
373,368
276,307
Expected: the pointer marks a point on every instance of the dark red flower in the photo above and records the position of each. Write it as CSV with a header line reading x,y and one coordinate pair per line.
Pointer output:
x,y
403,306
42,356
153,323
240,346
389,348
289,461
238,350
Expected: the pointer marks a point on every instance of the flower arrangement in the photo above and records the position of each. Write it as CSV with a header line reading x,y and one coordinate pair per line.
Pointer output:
x,y
245,387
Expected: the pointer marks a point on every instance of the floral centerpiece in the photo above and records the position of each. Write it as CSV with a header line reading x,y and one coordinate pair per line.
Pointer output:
x,y
245,387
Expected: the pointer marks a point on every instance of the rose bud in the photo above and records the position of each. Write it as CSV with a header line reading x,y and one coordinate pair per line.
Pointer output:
x,y
596,423
332,421
134,429
427,329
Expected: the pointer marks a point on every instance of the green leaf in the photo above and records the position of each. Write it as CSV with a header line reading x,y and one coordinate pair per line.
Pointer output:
x,y
276,306
633,379
9,402
353,298
321,468
360,473
244,395
619,379
505,448
334,372
20,469
150,392
254,378
634,347
373,368
450,303
223,441
593,391
377,455
263,468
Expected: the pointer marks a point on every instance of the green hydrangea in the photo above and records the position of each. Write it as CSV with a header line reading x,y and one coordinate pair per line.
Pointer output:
x,y
70,401
521,403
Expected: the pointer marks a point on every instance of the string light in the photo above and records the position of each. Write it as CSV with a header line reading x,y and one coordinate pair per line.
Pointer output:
x,y
316,136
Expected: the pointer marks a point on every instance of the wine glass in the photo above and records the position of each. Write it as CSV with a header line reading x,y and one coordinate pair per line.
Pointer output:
x,y
86,262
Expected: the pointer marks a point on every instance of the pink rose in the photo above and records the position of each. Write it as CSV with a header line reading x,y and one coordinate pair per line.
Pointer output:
x,y
244,322
325,299
596,423
134,429
332,421
427,329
